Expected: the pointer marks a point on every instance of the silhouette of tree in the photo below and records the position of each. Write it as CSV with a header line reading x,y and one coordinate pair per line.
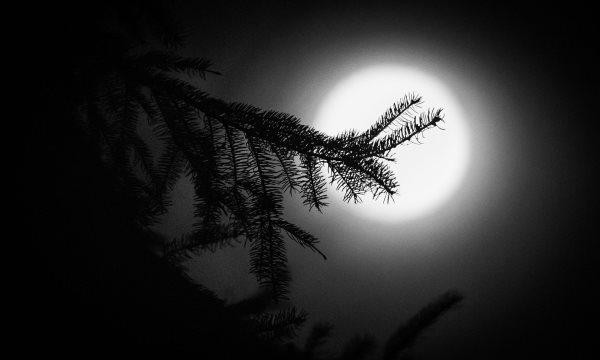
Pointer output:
x,y
239,158
111,184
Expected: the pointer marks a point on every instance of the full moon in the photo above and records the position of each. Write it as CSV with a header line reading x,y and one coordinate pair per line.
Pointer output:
x,y
428,172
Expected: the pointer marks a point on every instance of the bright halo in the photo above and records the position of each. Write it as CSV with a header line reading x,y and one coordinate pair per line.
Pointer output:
x,y
428,173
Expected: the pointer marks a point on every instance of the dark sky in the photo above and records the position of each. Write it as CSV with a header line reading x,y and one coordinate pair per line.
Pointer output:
x,y
516,239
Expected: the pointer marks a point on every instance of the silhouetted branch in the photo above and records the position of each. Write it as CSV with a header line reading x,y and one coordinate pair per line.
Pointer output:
x,y
406,336
239,158
281,325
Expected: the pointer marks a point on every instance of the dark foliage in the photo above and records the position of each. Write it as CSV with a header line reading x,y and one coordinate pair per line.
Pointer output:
x,y
120,284
240,159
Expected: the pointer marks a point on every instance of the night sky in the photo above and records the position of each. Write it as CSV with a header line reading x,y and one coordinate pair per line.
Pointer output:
x,y
516,238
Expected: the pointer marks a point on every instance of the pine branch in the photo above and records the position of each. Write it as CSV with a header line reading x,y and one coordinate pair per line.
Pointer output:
x,y
240,159
348,181
400,111
267,254
171,62
406,336
238,204
160,83
281,325
289,173
376,175
170,168
397,113
143,158
407,132
312,184
219,236
279,129
268,262
270,195
235,152
300,236
149,107
197,148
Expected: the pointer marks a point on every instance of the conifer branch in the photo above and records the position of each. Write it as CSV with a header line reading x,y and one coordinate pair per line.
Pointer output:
x,y
171,62
313,185
300,236
240,159
406,336
281,325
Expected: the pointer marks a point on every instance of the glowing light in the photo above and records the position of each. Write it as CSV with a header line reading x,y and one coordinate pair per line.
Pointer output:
x,y
427,173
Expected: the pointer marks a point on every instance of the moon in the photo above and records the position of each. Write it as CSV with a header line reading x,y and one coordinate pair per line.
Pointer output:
x,y
429,172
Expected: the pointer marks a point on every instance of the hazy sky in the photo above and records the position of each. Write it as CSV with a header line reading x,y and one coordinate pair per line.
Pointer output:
x,y
515,238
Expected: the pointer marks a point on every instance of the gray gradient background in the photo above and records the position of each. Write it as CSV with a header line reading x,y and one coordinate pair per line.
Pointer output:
x,y
516,238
